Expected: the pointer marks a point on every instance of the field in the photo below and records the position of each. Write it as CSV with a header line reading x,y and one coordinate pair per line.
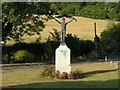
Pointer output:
x,y
98,75
84,28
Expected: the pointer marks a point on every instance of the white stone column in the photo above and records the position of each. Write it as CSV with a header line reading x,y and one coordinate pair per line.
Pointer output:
x,y
62,59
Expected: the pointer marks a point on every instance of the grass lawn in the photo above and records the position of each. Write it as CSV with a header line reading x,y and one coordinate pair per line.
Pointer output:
x,y
100,75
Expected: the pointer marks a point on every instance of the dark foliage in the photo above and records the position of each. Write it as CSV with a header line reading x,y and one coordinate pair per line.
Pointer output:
x,y
36,48
46,50
97,10
110,40
79,47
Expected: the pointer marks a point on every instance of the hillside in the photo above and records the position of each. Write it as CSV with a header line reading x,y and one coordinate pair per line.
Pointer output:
x,y
84,27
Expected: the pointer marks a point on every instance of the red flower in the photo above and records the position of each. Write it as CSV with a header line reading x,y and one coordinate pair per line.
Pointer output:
x,y
53,73
60,76
48,66
53,69
56,72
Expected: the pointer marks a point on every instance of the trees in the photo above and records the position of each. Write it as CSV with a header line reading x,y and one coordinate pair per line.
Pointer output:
x,y
118,11
66,8
91,11
20,18
110,40
99,10
25,18
79,47
113,10
55,35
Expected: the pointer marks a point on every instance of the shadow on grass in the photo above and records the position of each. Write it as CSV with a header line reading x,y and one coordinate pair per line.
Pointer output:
x,y
71,84
98,72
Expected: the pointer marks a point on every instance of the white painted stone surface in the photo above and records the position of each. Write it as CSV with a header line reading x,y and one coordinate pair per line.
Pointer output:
x,y
62,59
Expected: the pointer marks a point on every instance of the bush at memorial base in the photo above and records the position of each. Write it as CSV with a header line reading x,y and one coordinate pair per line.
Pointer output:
x,y
64,75
76,74
50,72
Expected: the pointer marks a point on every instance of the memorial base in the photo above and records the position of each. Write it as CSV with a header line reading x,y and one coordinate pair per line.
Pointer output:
x,y
62,59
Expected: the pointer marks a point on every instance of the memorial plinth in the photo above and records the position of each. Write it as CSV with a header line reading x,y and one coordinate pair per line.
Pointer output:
x,y
62,59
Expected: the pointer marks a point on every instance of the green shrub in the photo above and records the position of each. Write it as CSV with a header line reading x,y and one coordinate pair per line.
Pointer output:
x,y
49,71
92,55
48,50
64,75
22,56
110,40
76,74
5,58
79,47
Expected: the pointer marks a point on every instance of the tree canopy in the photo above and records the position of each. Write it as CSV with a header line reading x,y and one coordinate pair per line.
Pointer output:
x,y
110,40
20,18
97,10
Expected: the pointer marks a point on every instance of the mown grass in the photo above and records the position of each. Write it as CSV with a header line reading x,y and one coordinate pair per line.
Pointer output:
x,y
100,75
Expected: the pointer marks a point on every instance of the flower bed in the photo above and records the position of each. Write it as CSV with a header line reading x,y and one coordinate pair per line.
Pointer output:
x,y
50,72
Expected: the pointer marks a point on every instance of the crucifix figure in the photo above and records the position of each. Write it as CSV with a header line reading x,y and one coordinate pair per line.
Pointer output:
x,y
63,27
